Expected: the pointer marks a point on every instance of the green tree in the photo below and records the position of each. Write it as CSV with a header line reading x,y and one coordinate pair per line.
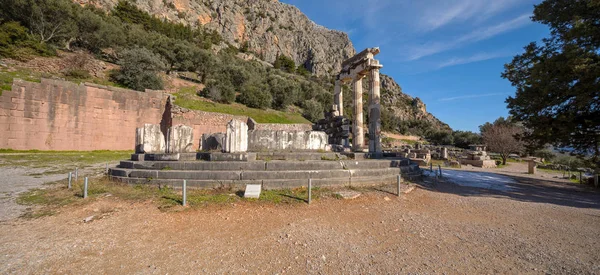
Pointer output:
x,y
558,91
284,63
139,70
463,139
312,110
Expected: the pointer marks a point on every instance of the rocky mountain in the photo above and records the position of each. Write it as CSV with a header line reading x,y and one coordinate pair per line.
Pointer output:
x,y
270,28
404,106
266,27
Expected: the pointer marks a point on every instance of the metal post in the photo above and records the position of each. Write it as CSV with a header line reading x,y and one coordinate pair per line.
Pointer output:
x,y
309,191
76,174
398,180
184,192
85,188
70,178
440,168
107,168
431,167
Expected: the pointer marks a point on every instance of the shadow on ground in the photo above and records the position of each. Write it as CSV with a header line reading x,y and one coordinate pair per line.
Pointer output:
x,y
525,189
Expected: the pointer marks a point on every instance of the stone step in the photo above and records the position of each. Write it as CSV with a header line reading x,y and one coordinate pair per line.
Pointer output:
x,y
266,165
267,183
250,175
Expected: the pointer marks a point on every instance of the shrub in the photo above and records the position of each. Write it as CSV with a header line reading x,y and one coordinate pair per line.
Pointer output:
x,y
313,110
254,96
139,68
284,63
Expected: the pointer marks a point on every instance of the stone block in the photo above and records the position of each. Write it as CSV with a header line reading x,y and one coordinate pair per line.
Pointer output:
x,y
268,140
166,157
212,142
149,139
236,138
181,139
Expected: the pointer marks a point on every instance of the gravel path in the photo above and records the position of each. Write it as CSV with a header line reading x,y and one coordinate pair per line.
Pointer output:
x,y
535,227
15,180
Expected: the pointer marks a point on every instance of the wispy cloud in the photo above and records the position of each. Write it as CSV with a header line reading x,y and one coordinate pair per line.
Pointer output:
x,y
471,59
470,96
437,14
469,38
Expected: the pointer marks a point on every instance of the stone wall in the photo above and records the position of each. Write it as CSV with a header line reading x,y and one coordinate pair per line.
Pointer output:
x,y
61,115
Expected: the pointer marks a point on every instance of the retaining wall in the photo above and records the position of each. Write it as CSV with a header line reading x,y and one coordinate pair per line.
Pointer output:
x,y
62,115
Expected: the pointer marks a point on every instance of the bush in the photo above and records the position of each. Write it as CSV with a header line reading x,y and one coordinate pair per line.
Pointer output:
x,y
219,91
284,63
255,96
313,110
17,43
139,70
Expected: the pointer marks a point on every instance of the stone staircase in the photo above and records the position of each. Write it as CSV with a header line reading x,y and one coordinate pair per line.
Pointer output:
x,y
272,174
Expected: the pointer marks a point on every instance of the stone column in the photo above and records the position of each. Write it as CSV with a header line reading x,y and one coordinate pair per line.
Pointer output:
x,y
358,134
374,113
338,97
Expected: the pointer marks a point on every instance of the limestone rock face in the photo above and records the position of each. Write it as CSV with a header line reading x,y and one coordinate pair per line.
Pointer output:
x,y
236,138
181,139
404,106
268,28
149,140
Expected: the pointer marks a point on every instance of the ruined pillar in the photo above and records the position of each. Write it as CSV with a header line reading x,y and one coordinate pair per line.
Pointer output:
x,y
338,97
374,113
358,135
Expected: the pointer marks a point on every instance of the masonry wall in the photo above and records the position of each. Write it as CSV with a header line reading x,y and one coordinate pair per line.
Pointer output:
x,y
61,115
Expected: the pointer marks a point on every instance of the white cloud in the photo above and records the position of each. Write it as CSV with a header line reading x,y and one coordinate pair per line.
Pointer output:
x,y
471,59
469,38
436,14
470,96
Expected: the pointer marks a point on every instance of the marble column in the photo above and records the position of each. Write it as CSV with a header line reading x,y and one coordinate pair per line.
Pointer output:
x,y
358,134
338,97
374,113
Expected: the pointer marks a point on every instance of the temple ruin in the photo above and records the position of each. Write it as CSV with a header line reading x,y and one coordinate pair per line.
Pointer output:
x,y
354,70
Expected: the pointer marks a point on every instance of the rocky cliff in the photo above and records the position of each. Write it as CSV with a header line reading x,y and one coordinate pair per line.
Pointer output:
x,y
404,106
266,27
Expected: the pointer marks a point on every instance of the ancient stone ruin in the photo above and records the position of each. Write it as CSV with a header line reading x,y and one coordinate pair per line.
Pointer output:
x,y
477,156
354,70
275,156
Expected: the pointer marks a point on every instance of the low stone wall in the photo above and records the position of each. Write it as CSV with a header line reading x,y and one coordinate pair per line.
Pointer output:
x,y
268,140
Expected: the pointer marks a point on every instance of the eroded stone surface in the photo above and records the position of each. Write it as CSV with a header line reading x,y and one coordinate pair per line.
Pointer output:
x,y
181,139
236,138
149,139
265,140
212,142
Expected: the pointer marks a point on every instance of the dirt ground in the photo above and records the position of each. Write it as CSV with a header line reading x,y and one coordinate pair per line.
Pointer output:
x,y
540,225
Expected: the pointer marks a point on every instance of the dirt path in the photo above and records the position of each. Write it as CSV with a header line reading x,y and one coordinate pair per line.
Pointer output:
x,y
536,227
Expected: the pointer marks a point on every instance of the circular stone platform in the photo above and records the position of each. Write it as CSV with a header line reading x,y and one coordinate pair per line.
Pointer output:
x,y
272,174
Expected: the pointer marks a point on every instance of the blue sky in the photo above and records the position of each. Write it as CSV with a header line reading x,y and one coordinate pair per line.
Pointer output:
x,y
450,53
